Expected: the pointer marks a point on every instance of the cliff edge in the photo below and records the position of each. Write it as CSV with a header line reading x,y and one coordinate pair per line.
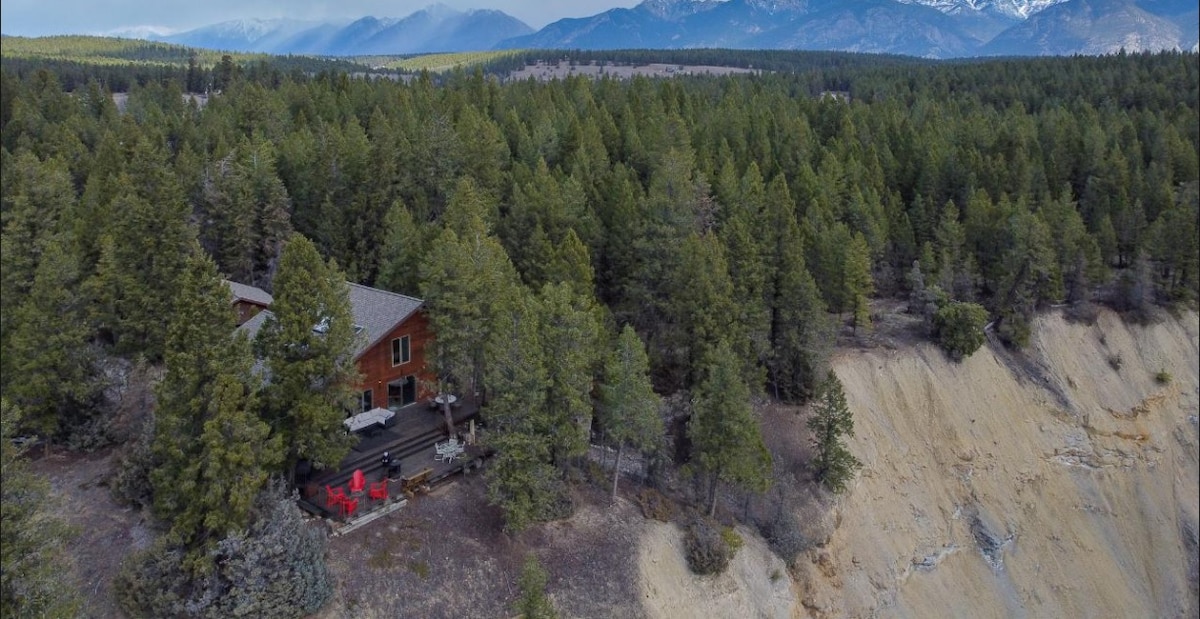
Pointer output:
x,y
1061,482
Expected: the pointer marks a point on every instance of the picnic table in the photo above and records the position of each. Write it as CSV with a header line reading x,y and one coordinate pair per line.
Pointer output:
x,y
414,482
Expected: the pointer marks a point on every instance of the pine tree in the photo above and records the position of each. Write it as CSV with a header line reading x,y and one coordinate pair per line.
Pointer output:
x,y
570,338
859,285
700,311
33,539
727,444
750,275
210,449
533,603
147,245
236,456
628,407
831,419
307,346
953,272
801,330
522,479
51,372
246,209
36,195
1030,276
572,265
466,280
405,243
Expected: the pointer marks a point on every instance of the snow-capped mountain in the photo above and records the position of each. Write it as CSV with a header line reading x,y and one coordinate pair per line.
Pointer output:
x,y
242,35
139,32
1099,27
929,28
1015,9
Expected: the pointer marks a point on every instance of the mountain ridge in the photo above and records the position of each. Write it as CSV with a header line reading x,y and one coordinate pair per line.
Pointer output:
x,y
925,28
922,28
435,28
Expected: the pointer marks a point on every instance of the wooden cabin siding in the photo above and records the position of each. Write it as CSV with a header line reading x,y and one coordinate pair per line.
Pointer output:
x,y
246,310
375,363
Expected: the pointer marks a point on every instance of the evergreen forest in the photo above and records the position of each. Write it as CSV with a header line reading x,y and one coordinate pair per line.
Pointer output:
x,y
608,245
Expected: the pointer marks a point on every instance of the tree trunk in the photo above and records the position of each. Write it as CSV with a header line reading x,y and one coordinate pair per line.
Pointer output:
x,y
712,493
617,471
449,418
603,450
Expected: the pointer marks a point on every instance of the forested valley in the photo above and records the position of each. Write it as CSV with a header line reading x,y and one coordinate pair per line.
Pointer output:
x,y
629,262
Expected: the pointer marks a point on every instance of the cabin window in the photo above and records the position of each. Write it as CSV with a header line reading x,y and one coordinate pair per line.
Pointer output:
x,y
367,400
401,351
402,392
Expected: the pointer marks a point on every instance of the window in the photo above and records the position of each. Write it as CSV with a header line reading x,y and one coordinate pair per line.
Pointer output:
x,y
367,399
402,392
401,352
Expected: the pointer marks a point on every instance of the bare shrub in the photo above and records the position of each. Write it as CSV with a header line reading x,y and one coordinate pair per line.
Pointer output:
x,y
794,518
655,505
276,569
708,546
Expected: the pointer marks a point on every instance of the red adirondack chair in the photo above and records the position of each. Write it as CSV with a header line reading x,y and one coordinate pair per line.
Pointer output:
x,y
334,496
358,482
379,490
349,506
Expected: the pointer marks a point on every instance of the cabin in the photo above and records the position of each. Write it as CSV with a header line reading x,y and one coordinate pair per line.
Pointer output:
x,y
392,337
248,301
396,413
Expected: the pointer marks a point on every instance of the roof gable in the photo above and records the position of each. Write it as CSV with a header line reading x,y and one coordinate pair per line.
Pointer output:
x,y
243,292
378,312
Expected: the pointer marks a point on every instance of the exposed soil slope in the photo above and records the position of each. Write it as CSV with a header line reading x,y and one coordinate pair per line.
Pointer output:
x,y
1063,483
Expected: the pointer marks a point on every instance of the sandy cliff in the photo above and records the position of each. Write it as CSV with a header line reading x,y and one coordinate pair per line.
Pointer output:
x,y
1053,484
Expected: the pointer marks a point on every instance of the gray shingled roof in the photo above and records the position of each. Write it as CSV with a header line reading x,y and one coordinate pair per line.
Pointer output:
x,y
252,326
377,312
249,293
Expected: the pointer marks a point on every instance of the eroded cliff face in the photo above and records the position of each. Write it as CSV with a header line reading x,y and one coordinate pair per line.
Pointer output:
x,y
1059,483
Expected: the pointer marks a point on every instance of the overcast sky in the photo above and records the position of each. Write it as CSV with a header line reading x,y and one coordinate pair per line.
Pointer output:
x,y
43,17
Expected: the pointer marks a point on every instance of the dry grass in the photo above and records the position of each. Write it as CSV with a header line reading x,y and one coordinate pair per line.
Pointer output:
x,y
444,555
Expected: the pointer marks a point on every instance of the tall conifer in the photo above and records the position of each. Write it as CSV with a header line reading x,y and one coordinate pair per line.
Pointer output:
x,y
308,348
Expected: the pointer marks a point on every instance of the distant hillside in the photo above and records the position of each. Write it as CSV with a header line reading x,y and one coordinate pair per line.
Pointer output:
x,y
107,50
121,63
436,28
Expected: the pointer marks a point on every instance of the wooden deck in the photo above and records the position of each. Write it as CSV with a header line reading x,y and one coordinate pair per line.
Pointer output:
x,y
410,441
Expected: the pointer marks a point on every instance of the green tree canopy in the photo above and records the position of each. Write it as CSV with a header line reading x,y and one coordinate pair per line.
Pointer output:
x,y
727,443
831,420
307,346
628,407
33,540
210,449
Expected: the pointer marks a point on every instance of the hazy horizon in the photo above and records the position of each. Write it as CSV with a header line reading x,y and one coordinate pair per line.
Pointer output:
x,y
32,18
